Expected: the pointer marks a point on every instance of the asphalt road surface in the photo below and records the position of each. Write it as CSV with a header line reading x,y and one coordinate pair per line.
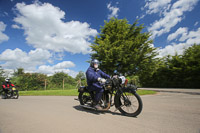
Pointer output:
x,y
164,112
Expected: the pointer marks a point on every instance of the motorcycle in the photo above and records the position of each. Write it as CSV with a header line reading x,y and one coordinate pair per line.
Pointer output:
x,y
11,93
126,100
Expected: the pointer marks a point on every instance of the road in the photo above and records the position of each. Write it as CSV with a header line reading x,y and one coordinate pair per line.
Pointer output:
x,y
164,112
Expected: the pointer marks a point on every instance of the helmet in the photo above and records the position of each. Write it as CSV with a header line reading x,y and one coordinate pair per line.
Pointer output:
x,y
7,80
93,62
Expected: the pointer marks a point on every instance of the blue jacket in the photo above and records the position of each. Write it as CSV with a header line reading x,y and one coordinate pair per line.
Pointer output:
x,y
92,77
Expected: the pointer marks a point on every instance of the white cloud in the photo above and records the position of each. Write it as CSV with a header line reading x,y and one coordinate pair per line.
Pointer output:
x,y
16,26
172,17
60,67
188,39
114,11
196,23
33,61
156,6
64,64
180,31
3,37
12,59
44,28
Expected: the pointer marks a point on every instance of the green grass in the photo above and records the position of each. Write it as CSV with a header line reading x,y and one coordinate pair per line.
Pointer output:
x,y
146,92
69,92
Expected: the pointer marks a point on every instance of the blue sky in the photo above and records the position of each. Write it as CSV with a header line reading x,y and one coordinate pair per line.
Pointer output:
x,y
49,36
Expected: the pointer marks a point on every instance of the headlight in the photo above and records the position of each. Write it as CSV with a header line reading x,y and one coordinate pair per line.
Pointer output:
x,y
123,79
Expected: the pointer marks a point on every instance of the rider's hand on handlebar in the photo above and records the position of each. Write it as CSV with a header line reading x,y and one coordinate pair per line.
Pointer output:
x,y
102,80
115,77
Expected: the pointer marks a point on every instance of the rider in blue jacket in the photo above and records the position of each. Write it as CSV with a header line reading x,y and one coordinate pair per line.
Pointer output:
x,y
95,78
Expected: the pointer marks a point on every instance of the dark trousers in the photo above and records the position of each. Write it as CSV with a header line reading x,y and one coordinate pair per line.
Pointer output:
x,y
98,93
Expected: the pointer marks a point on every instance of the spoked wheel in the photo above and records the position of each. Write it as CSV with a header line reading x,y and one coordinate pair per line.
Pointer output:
x,y
3,95
129,103
15,95
8,95
85,98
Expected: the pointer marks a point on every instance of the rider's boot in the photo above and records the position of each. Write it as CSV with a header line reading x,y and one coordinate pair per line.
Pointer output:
x,y
98,107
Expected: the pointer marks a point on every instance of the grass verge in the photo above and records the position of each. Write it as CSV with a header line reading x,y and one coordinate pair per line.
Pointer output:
x,y
69,92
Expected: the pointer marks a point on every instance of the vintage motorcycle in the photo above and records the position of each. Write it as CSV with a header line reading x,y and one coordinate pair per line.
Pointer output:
x,y
11,93
125,99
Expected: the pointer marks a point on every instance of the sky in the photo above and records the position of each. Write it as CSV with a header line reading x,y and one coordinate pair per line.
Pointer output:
x,y
49,36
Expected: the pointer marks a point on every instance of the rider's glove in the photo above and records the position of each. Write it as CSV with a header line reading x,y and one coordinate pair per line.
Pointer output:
x,y
102,80
115,76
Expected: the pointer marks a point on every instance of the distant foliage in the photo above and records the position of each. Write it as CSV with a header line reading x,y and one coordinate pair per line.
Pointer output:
x,y
81,79
37,81
29,81
182,71
2,78
56,81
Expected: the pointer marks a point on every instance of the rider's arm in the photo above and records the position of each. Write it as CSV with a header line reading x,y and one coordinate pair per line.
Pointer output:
x,y
4,86
12,85
104,75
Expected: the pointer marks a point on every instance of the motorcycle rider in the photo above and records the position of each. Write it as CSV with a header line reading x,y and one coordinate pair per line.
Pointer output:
x,y
95,77
7,85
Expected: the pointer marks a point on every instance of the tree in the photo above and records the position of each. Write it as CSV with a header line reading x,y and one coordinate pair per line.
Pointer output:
x,y
57,79
30,81
81,78
123,47
19,72
191,70
80,75
180,71
2,77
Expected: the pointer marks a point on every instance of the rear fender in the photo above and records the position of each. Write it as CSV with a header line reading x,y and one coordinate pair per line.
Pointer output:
x,y
82,89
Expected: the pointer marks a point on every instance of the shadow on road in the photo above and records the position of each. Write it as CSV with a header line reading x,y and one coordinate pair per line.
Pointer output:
x,y
79,108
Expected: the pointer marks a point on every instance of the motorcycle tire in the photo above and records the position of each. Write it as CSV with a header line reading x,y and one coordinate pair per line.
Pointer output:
x,y
84,97
15,95
3,95
124,106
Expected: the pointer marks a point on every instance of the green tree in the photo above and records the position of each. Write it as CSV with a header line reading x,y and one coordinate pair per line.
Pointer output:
x,y
169,73
57,80
80,75
30,81
19,72
2,77
81,78
191,64
124,47
180,71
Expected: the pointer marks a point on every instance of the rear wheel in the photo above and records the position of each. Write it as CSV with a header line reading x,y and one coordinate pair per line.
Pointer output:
x,y
129,103
85,98
3,95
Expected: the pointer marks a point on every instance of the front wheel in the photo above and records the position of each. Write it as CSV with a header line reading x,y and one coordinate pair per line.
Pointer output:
x,y
129,103
15,94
